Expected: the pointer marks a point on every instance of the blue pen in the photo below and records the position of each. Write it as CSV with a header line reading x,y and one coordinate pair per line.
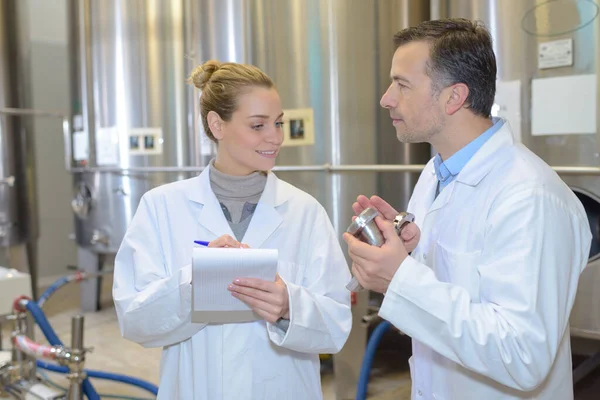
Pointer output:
x,y
202,243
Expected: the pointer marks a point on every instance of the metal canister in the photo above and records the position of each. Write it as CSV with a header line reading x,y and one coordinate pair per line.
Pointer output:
x,y
365,229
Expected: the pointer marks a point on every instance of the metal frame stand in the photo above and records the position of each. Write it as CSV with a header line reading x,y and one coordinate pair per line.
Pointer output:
x,y
347,363
90,289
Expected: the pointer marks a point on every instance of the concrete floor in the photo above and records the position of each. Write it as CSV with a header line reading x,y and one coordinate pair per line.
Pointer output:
x,y
390,377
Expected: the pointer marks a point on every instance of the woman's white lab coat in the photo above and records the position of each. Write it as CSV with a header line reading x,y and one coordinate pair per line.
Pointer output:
x,y
487,293
255,360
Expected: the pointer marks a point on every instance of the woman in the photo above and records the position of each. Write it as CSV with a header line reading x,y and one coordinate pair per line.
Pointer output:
x,y
235,202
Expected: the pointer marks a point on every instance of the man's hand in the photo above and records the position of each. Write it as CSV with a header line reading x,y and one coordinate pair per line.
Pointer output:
x,y
267,299
411,234
373,266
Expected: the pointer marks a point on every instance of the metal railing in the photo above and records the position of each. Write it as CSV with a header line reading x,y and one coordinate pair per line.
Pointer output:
x,y
329,168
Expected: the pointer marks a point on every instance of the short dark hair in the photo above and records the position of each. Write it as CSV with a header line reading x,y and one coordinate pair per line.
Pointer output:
x,y
461,52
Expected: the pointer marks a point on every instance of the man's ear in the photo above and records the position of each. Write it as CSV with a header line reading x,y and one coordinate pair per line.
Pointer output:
x,y
456,96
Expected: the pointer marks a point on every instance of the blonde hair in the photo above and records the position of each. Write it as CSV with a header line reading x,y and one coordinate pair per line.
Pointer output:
x,y
222,84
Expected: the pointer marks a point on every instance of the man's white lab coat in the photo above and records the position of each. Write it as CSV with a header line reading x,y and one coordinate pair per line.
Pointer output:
x,y
487,293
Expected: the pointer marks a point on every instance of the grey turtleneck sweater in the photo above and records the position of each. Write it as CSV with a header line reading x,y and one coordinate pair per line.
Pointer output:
x,y
238,196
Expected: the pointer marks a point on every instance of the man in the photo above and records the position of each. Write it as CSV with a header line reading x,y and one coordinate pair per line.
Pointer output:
x,y
487,291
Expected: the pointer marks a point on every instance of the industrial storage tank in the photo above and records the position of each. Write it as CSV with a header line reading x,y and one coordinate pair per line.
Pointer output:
x,y
133,116
18,208
134,111
548,62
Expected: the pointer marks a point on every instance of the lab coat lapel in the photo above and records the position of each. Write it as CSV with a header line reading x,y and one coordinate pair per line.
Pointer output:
x,y
442,198
425,193
210,215
477,168
430,206
266,219
484,160
422,200
430,202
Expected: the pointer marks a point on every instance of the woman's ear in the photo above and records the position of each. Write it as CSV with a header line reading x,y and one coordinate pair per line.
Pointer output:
x,y
215,123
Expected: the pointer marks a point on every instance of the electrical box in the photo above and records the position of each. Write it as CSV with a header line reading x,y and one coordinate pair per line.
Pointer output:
x,y
299,127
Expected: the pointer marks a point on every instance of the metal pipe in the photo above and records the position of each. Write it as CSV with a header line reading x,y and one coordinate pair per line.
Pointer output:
x,y
281,168
67,143
76,373
75,392
30,333
29,111
377,168
416,168
285,168
84,41
562,170
18,356
77,332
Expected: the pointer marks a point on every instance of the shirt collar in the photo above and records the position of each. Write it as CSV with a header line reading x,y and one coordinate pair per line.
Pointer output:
x,y
453,165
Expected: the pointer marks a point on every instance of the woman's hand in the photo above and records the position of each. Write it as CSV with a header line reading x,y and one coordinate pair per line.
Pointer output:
x,y
227,241
267,299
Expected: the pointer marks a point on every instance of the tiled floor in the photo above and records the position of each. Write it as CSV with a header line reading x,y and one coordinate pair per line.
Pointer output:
x,y
390,379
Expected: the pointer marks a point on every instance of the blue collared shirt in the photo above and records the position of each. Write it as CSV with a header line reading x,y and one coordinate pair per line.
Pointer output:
x,y
447,171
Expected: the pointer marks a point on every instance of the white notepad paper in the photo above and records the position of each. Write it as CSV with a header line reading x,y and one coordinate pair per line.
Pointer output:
x,y
214,269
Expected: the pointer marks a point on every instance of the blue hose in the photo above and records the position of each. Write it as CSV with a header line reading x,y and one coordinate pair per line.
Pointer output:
x,y
103,375
51,336
53,288
40,318
365,368
42,321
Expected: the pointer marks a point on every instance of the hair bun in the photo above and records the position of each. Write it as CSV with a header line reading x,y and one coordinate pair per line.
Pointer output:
x,y
202,73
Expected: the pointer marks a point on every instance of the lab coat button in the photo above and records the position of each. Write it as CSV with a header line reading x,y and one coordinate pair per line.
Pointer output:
x,y
419,393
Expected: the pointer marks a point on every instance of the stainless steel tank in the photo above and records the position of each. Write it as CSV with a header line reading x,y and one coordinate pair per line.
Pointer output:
x,y
13,229
18,208
541,47
134,110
